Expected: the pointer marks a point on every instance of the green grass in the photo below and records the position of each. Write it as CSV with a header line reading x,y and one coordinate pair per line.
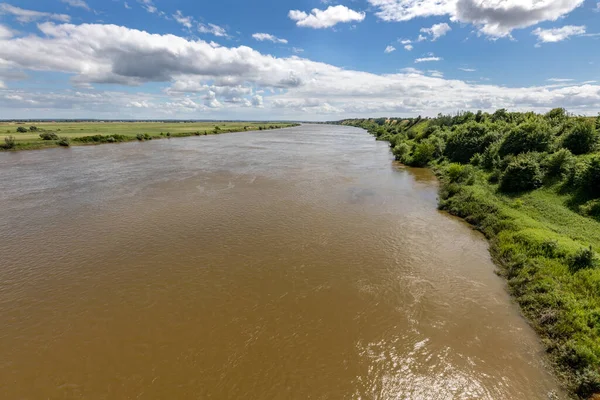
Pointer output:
x,y
534,237
74,130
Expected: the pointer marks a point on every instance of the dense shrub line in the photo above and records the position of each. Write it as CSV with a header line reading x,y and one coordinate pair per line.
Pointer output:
x,y
490,166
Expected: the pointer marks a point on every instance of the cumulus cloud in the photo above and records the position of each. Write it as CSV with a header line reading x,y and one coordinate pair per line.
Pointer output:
x,y
558,34
408,47
332,16
212,29
77,3
389,49
213,79
268,37
492,17
436,73
26,16
437,31
183,20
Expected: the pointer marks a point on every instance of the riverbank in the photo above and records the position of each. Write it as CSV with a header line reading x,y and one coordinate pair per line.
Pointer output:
x,y
16,136
530,184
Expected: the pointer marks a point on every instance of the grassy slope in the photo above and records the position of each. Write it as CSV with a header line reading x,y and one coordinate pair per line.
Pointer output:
x,y
533,237
72,130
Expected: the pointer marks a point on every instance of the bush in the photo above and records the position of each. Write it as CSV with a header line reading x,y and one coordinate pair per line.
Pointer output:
x,y
423,154
582,138
559,163
402,153
527,137
468,140
583,259
33,128
21,129
9,142
523,173
64,141
139,136
590,179
49,136
458,173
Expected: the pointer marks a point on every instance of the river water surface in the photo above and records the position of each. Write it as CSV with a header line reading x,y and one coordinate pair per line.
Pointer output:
x,y
289,264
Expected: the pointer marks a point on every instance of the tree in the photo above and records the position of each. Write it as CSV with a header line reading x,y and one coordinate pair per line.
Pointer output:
x,y
582,138
468,140
523,173
526,137
21,129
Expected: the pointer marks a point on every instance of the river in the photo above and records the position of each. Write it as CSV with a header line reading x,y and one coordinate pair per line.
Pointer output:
x,y
299,263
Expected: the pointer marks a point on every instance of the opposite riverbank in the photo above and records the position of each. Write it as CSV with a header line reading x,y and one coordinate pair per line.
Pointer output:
x,y
20,135
531,184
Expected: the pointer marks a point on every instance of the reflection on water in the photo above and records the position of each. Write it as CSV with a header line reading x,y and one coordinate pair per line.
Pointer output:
x,y
299,263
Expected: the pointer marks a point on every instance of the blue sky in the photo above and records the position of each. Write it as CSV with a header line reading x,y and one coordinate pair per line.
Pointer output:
x,y
295,59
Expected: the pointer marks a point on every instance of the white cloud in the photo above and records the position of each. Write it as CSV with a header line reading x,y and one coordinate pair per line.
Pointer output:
x,y
77,3
468,69
297,50
405,41
212,29
26,16
430,57
437,31
597,9
560,80
421,38
408,47
2,85
222,81
436,73
268,37
5,32
558,34
257,100
332,16
148,5
127,6
389,49
495,18
183,20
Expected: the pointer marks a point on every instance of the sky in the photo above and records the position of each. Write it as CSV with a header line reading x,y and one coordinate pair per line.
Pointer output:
x,y
295,59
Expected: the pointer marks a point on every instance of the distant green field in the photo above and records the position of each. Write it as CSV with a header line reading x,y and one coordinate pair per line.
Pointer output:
x,y
156,130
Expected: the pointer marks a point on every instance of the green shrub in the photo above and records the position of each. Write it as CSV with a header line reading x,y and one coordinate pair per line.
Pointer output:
x,y
583,259
490,157
64,141
423,154
139,136
402,153
468,140
582,138
458,173
21,129
527,137
9,142
48,136
590,181
522,173
559,163
33,128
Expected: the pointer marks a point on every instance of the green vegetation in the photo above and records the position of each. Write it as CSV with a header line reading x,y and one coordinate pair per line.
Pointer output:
x,y
531,184
46,134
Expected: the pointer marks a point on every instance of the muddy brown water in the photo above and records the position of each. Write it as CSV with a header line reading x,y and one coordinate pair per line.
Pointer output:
x,y
291,264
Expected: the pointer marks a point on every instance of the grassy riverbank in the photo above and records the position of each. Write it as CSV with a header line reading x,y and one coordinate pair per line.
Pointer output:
x,y
37,135
531,184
